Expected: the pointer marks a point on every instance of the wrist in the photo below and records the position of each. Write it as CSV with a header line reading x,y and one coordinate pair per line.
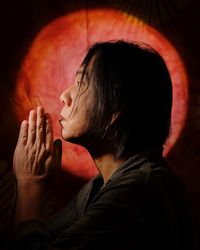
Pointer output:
x,y
30,181
30,201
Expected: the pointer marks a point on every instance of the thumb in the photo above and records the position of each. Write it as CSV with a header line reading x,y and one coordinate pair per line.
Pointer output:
x,y
57,153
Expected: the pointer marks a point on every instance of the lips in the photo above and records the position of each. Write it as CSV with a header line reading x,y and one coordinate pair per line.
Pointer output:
x,y
61,120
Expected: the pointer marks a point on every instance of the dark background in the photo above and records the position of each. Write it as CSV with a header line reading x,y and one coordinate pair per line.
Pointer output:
x,y
178,21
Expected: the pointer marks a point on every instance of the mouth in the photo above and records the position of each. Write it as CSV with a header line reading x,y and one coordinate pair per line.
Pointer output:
x,y
61,120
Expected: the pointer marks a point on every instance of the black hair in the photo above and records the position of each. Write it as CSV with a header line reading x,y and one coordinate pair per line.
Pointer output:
x,y
129,80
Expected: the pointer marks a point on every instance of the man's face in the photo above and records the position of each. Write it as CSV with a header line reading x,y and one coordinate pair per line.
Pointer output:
x,y
77,102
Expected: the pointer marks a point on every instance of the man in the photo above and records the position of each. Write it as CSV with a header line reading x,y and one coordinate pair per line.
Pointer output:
x,y
119,108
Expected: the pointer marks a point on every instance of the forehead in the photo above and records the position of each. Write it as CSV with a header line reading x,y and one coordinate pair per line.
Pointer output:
x,y
83,72
86,68
80,71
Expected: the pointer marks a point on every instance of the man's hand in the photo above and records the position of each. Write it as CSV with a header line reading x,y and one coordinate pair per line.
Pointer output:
x,y
36,158
36,155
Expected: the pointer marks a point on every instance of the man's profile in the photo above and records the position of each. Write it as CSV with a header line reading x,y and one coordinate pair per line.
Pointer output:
x,y
119,109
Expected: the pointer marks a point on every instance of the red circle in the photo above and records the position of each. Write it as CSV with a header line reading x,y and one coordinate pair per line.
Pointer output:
x,y
57,51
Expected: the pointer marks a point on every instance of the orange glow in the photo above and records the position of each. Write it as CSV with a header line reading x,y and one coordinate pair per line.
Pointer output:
x,y
57,51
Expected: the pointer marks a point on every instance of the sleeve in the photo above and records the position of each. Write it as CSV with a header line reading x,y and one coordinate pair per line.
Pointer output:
x,y
62,219
113,221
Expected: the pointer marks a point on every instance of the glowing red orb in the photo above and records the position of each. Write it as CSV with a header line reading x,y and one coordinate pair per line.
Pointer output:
x,y
56,53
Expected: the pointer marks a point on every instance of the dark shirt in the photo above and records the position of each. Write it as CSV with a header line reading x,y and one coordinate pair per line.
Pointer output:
x,y
142,206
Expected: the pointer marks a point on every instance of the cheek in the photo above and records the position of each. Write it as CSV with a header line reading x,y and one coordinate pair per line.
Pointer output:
x,y
81,116
78,119
77,115
84,111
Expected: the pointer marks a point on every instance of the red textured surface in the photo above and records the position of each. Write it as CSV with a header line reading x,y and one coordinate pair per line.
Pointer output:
x,y
57,51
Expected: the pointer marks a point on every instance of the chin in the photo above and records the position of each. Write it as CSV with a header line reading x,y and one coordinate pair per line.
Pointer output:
x,y
65,135
70,137
81,140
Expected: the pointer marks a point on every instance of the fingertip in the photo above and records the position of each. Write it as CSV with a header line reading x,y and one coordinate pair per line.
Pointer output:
x,y
32,114
32,111
40,108
58,143
24,123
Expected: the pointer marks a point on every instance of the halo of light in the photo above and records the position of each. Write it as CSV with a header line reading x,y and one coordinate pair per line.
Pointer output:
x,y
57,51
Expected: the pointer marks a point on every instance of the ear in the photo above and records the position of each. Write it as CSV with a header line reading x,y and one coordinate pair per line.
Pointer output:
x,y
114,118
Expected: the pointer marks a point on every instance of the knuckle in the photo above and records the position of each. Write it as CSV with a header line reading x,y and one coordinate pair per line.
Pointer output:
x,y
48,131
43,150
40,127
46,150
32,130
26,148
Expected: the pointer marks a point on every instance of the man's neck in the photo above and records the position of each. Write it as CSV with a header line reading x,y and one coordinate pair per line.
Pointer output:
x,y
107,165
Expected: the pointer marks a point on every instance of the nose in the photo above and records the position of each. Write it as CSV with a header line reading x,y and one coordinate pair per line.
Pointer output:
x,y
65,97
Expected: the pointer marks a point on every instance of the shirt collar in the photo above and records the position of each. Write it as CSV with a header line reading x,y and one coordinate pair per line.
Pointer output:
x,y
134,162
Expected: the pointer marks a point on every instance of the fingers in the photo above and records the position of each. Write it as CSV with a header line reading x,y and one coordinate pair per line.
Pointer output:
x,y
40,126
48,133
31,127
34,155
39,130
58,153
36,127
23,134
53,162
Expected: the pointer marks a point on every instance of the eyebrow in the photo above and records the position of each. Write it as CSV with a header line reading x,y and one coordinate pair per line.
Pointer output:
x,y
78,72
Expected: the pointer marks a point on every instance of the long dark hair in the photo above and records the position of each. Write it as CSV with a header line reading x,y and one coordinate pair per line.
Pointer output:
x,y
131,81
